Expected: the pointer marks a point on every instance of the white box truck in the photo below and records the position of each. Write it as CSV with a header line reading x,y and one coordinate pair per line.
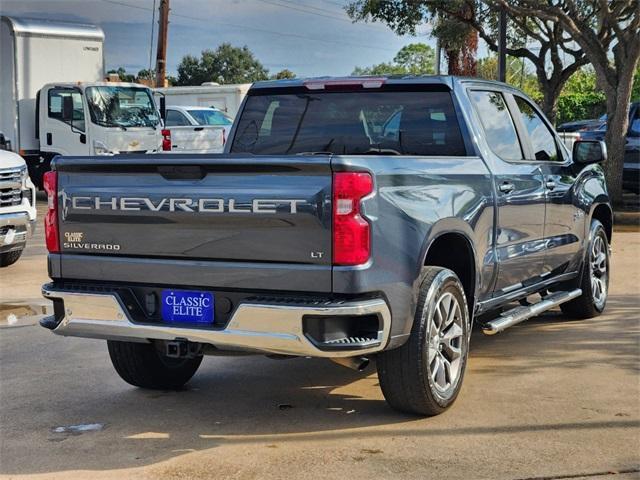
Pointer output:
x,y
53,102
227,98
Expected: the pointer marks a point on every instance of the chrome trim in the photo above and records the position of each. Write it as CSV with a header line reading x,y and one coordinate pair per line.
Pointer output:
x,y
18,219
254,327
520,314
21,223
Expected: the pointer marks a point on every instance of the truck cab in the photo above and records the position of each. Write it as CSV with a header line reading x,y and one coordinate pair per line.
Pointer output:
x,y
96,118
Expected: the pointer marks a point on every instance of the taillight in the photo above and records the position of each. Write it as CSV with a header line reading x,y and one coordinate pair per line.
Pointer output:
x,y
50,182
351,231
166,140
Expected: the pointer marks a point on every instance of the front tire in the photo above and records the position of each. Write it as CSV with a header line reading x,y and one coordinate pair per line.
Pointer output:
x,y
424,376
594,281
9,258
143,365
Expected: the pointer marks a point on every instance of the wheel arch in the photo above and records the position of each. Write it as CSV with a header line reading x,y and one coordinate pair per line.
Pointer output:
x,y
453,248
603,213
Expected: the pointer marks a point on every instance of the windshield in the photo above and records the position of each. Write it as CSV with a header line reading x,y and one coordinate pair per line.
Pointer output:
x,y
385,122
210,117
114,106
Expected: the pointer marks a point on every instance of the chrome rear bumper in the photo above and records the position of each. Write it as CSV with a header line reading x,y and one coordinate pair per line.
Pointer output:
x,y
253,327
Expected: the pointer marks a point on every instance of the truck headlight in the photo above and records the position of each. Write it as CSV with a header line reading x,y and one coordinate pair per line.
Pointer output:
x,y
100,148
23,177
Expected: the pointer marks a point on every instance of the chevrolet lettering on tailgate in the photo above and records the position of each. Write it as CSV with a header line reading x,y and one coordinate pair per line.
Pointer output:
x,y
204,205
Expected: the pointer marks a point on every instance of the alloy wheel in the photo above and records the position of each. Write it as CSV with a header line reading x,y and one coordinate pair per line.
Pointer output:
x,y
445,343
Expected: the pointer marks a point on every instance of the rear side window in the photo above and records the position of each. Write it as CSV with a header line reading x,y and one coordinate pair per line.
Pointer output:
x,y
210,117
175,119
542,140
497,124
383,122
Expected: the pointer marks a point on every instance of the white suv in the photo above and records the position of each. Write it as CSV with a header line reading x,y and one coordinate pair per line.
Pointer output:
x,y
17,207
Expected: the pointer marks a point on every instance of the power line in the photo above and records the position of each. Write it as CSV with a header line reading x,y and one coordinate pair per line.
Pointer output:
x,y
298,8
262,30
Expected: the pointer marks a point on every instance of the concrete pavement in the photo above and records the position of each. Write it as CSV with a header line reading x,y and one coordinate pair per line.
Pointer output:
x,y
548,399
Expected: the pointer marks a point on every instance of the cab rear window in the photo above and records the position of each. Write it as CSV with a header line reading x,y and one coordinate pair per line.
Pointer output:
x,y
355,123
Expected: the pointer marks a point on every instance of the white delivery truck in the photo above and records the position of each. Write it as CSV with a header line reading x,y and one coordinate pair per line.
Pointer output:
x,y
227,98
53,102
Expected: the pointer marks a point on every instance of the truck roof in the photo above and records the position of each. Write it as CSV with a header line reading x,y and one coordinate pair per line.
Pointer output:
x,y
26,27
447,80
81,84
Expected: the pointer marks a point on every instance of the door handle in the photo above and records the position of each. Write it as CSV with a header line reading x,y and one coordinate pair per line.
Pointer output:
x,y
550,184
506,187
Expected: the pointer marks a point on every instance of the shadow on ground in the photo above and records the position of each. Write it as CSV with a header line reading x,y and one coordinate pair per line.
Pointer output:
x,y
244,400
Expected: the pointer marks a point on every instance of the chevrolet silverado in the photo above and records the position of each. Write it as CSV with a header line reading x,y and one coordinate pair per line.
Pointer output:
x,y
349,218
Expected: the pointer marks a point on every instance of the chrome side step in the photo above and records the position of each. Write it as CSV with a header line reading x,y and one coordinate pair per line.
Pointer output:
x,y
520,314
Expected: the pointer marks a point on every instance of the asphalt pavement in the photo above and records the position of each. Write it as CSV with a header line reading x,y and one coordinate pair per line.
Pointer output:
x,y
548,399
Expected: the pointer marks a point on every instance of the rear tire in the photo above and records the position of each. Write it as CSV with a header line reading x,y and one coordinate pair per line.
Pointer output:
x,y
594,281
9,258
142,365
424,376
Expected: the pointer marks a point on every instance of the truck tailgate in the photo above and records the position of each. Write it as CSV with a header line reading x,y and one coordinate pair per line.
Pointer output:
x,y
222,208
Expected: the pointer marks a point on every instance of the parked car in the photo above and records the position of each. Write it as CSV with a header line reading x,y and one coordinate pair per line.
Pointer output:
x,y
17,207
631,171
579,125
350,218
180,116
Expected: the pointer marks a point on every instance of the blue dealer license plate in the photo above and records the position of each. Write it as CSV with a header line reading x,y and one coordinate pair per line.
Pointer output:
x,y
180,306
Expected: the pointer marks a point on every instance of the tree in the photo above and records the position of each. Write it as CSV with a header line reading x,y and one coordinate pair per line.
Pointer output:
x,y
123,75
458,40
147,74
412,59
581,98
226,64
283,75
551,42
599,27
518,74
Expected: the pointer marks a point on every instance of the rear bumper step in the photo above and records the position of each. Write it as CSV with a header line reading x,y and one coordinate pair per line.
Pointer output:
x,y
258,327
520,314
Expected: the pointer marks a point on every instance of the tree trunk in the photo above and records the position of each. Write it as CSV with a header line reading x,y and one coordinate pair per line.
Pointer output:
x,y
550,102
615,138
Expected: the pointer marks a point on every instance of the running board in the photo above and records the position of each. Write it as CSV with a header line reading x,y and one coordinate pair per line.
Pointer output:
x,y
520,314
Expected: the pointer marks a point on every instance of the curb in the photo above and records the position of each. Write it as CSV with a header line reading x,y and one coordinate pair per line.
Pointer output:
x,y
626,218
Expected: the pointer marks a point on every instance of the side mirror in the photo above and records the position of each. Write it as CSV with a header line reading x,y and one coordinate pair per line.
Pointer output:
x,y
67,108
589,151
163,108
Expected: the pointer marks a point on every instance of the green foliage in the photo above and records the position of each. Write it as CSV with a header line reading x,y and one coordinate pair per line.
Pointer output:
x,y
518,74
226,64
123,75
412,59
580,98
283,75
635,89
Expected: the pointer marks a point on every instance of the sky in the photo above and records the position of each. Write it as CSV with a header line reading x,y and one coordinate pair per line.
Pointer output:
x,y
309,37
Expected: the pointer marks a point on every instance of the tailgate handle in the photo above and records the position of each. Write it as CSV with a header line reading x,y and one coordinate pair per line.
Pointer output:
x,y
197,129
182,172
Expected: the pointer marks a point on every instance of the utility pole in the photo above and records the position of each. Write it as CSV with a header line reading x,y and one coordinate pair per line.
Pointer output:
x,y
161,55
502,46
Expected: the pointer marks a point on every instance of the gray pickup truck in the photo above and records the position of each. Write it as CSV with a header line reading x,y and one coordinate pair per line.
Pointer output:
x,y
349,218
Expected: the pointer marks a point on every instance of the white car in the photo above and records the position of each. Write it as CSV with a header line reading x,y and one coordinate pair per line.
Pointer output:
x,y
17,207
180,116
